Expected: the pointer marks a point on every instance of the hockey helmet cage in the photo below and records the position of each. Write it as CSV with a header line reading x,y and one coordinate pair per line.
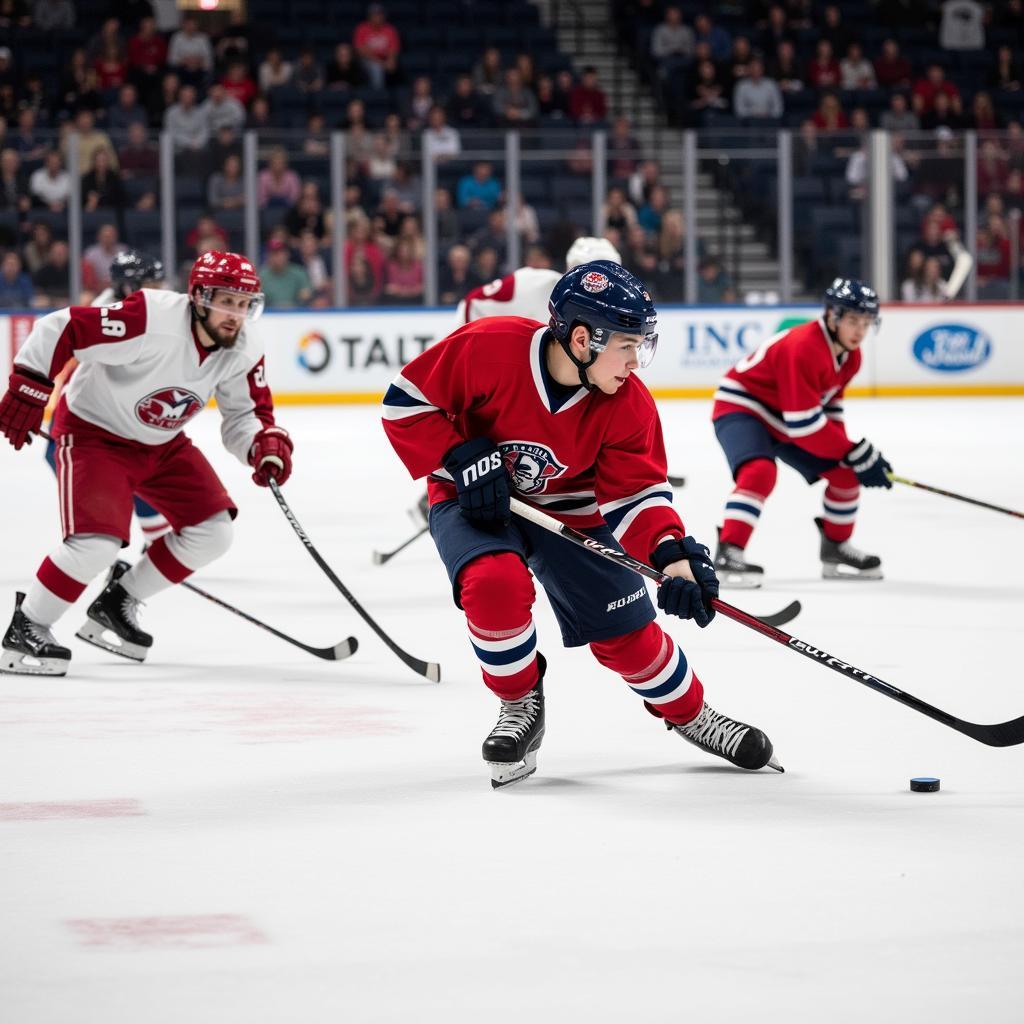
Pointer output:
x,y
225,271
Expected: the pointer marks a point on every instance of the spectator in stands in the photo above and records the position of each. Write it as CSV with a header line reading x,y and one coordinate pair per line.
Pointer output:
x,y
624,150
307,75
111,67
307,215
409,231
418,105
756,97
983,116
387,220
738,64
345,71
317,141
285,284
233,42
718,40
108,33
857,168
205,235
466,107
361,248
222,111
855,70
382,165
899,117
97,258
14,188
456,279
829,117
587,101
564,85
440,139
36,250
363,289
939,174
448,228
238,83
833,29
551,104
941,115
485,264
15,285
714,286
823,71
1006,76
187,124
640,253
312,260
707,94
258,117
102,187
515,106
170,86
277,184
90,138
53,15
892,69
147,57
650,214
226,188
527,70
52,281
190,52
618,213
993,167
525,218
672,42
785,69
642,180
480,189
36,96
360,138
488,74
274,71
50,185
776,31
962,26
924,281
226,142
378,44
403,276
492,235
126,112
927,88
78,83
992,259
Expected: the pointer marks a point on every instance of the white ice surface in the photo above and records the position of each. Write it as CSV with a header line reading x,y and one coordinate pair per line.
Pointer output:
x,y
291,840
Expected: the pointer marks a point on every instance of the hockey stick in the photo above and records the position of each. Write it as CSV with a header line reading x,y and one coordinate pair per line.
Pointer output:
x,y
381,557
339,651
958,497
676,481
1002,734
430,669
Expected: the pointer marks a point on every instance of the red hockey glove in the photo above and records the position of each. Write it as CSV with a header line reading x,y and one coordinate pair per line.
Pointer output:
x,y
271,456
22,408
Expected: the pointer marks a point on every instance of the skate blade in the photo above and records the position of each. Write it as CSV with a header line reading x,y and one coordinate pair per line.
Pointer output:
x,y
773,763
506,774
740,580
16,663
832,571
97,635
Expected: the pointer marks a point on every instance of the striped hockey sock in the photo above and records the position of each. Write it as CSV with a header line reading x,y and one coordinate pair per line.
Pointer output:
x,y
755,481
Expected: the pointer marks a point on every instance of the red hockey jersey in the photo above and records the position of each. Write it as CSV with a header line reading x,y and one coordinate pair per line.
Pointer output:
x,y
794,384
583,457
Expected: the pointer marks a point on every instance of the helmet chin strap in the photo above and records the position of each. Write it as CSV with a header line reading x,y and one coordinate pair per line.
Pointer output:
x,y
581,367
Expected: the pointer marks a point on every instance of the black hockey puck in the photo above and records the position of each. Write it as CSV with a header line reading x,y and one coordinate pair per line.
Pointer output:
x,y
924,785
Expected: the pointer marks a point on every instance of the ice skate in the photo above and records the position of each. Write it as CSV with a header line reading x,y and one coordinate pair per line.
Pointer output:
x,y
112,621
733,569
840,560
29,648
511,748
740,744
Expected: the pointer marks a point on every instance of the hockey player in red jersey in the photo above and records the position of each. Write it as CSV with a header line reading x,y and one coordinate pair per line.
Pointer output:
x,y
785,401
555,415
147,365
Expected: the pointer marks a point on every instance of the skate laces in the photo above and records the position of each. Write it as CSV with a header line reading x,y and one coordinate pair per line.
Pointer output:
x,y
715,730
846,549
39,633
130,608
517,716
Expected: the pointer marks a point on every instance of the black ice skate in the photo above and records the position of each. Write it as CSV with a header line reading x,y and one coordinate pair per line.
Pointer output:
x,y
733,570
511,748
113,620
840,560
740,744
29,649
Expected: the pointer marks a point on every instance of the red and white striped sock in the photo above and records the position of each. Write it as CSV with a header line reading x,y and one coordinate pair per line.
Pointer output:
x,y
65,574
755,481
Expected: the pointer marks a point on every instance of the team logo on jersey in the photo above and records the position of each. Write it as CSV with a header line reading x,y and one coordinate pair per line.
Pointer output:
x,y
594,282
168,408
530,465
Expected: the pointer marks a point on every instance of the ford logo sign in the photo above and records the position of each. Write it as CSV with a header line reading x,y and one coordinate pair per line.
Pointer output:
x,y
951,348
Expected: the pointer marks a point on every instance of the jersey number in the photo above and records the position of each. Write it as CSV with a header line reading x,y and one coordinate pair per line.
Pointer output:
x,y
755,357
493,288
259,376
111,327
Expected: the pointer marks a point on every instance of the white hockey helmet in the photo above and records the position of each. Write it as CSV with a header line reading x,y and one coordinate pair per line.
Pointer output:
x,y
588,248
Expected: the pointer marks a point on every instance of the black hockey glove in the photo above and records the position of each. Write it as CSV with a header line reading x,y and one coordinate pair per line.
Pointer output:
x,y
869,464
678,596
481,480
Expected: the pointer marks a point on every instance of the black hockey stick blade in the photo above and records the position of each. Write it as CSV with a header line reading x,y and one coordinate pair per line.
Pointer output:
x,y
342,649
1001,734
383,557
676,481
788,614
429,669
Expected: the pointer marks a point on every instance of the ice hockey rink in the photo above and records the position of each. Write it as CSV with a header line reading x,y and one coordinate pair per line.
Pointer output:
x,y
237,832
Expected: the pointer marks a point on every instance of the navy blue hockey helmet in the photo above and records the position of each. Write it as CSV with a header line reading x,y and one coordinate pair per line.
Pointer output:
x,y
848,295
605,298
131,269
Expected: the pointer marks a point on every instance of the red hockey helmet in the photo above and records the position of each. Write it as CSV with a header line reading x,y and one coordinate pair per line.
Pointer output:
x,y
225,271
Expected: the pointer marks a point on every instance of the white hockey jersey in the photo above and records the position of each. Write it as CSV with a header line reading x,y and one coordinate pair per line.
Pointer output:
x,y
525,292
143,374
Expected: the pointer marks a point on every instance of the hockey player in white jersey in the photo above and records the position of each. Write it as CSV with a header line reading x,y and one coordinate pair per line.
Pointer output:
x,y
147,366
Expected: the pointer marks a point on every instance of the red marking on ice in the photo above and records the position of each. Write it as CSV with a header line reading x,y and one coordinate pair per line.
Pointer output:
x,y
120,808
199,931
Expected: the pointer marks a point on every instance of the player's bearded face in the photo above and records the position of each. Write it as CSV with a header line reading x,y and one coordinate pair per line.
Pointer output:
x,y
225,316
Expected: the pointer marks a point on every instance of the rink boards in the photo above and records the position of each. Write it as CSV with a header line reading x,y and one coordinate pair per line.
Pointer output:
x,y
341,356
